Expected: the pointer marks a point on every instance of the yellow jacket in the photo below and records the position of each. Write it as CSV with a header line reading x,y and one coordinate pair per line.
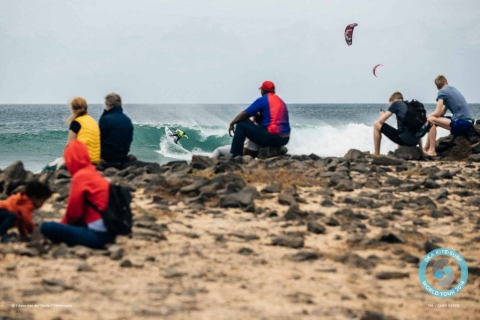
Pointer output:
x,y
89,134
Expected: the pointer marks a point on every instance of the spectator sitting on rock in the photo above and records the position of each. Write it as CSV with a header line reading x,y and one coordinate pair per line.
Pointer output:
x,y
82,224
84,128
402,136
274,128
116,131
18,209
459,123
249,148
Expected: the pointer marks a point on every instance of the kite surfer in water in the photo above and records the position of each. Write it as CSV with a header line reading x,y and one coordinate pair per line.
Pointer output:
x,y
179,134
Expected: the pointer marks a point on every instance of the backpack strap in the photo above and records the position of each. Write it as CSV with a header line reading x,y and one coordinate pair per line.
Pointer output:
x,y
94,207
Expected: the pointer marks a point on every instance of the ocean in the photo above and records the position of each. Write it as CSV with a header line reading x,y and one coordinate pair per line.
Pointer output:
x,y
36,134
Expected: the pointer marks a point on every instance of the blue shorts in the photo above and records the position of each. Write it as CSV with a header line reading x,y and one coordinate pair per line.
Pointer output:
x,y
460,126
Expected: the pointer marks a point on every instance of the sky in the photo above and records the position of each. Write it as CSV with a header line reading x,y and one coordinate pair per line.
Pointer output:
x,y
219,51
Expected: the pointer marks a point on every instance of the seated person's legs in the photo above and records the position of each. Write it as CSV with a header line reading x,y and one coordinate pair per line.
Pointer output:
x,y
432,134
7,221
221,151
256,134
73,235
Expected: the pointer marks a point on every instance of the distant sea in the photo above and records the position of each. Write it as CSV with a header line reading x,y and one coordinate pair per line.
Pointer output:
x,y
36,134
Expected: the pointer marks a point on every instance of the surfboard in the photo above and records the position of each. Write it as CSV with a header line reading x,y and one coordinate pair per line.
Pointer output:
x,y
169,134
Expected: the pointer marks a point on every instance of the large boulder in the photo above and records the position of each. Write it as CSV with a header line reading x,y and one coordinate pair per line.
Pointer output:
x,y
242,199
14,176
408,153
354,154
202,162
270,152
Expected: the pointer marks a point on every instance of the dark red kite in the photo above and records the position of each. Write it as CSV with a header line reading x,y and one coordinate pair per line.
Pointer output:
x,y
375,68
349,33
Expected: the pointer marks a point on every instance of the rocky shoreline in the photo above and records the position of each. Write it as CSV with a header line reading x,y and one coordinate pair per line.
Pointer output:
x,y
289,237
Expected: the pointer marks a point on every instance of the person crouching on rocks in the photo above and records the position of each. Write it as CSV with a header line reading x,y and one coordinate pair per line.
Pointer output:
x,y
403,136
82,224
18,209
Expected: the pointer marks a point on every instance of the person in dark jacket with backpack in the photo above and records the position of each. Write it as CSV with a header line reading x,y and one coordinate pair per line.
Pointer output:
x,y
403,136
82,223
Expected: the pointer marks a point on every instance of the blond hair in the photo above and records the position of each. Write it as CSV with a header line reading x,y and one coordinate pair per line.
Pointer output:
x,y
395,96
79,107
440,82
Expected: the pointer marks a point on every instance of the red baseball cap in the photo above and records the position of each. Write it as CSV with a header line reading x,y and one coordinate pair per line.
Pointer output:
x,y
267,86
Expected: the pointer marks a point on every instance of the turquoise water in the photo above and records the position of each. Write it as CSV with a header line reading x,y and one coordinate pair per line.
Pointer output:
x,y
36,134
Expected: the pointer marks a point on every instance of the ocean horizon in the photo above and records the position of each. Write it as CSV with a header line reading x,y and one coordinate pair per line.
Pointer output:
x,y
36,133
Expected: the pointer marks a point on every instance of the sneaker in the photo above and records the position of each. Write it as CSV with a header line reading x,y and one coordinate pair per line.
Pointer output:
x,y
424,129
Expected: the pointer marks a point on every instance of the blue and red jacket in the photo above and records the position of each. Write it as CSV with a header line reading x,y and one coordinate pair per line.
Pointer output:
x,y
274,113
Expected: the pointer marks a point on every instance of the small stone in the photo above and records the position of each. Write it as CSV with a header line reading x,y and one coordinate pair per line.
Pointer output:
x,y
354,154
386,161
116,252
431,184
286,199
392,238
392,181
84,267
327,203
273,188
332,222
315,227
288,241
29,252
126,264
443,174
11,267
355,260
429,246
373,315
171,273
304,256
410,259
345,185
378,222
391,275
245,251
294,213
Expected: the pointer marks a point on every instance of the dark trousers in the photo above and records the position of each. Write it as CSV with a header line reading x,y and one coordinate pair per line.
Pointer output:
x,y
7,221
255,133
73,235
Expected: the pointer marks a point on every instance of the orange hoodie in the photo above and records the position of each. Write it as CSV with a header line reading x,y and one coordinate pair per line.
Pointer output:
x,y
86,182
23,207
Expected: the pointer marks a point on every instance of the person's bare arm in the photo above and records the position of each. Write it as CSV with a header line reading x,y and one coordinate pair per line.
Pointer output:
x,y
242,116
384,116
439,110
71,136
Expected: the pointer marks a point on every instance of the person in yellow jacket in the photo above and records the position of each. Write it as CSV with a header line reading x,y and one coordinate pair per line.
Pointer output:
x,y
84,128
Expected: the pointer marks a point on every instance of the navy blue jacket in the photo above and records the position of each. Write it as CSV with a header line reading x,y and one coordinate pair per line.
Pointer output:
x,y
116,133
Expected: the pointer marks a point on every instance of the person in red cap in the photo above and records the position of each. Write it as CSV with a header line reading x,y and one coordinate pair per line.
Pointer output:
x,y
274,128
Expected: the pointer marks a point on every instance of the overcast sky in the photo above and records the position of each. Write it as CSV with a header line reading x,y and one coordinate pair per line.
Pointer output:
x,y
219,51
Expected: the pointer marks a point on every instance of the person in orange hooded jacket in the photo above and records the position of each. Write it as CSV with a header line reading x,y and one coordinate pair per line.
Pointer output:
x,y
18,209
82,224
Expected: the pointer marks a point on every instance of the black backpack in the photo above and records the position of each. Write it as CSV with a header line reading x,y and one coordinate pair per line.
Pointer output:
x,y
118,216
415,117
